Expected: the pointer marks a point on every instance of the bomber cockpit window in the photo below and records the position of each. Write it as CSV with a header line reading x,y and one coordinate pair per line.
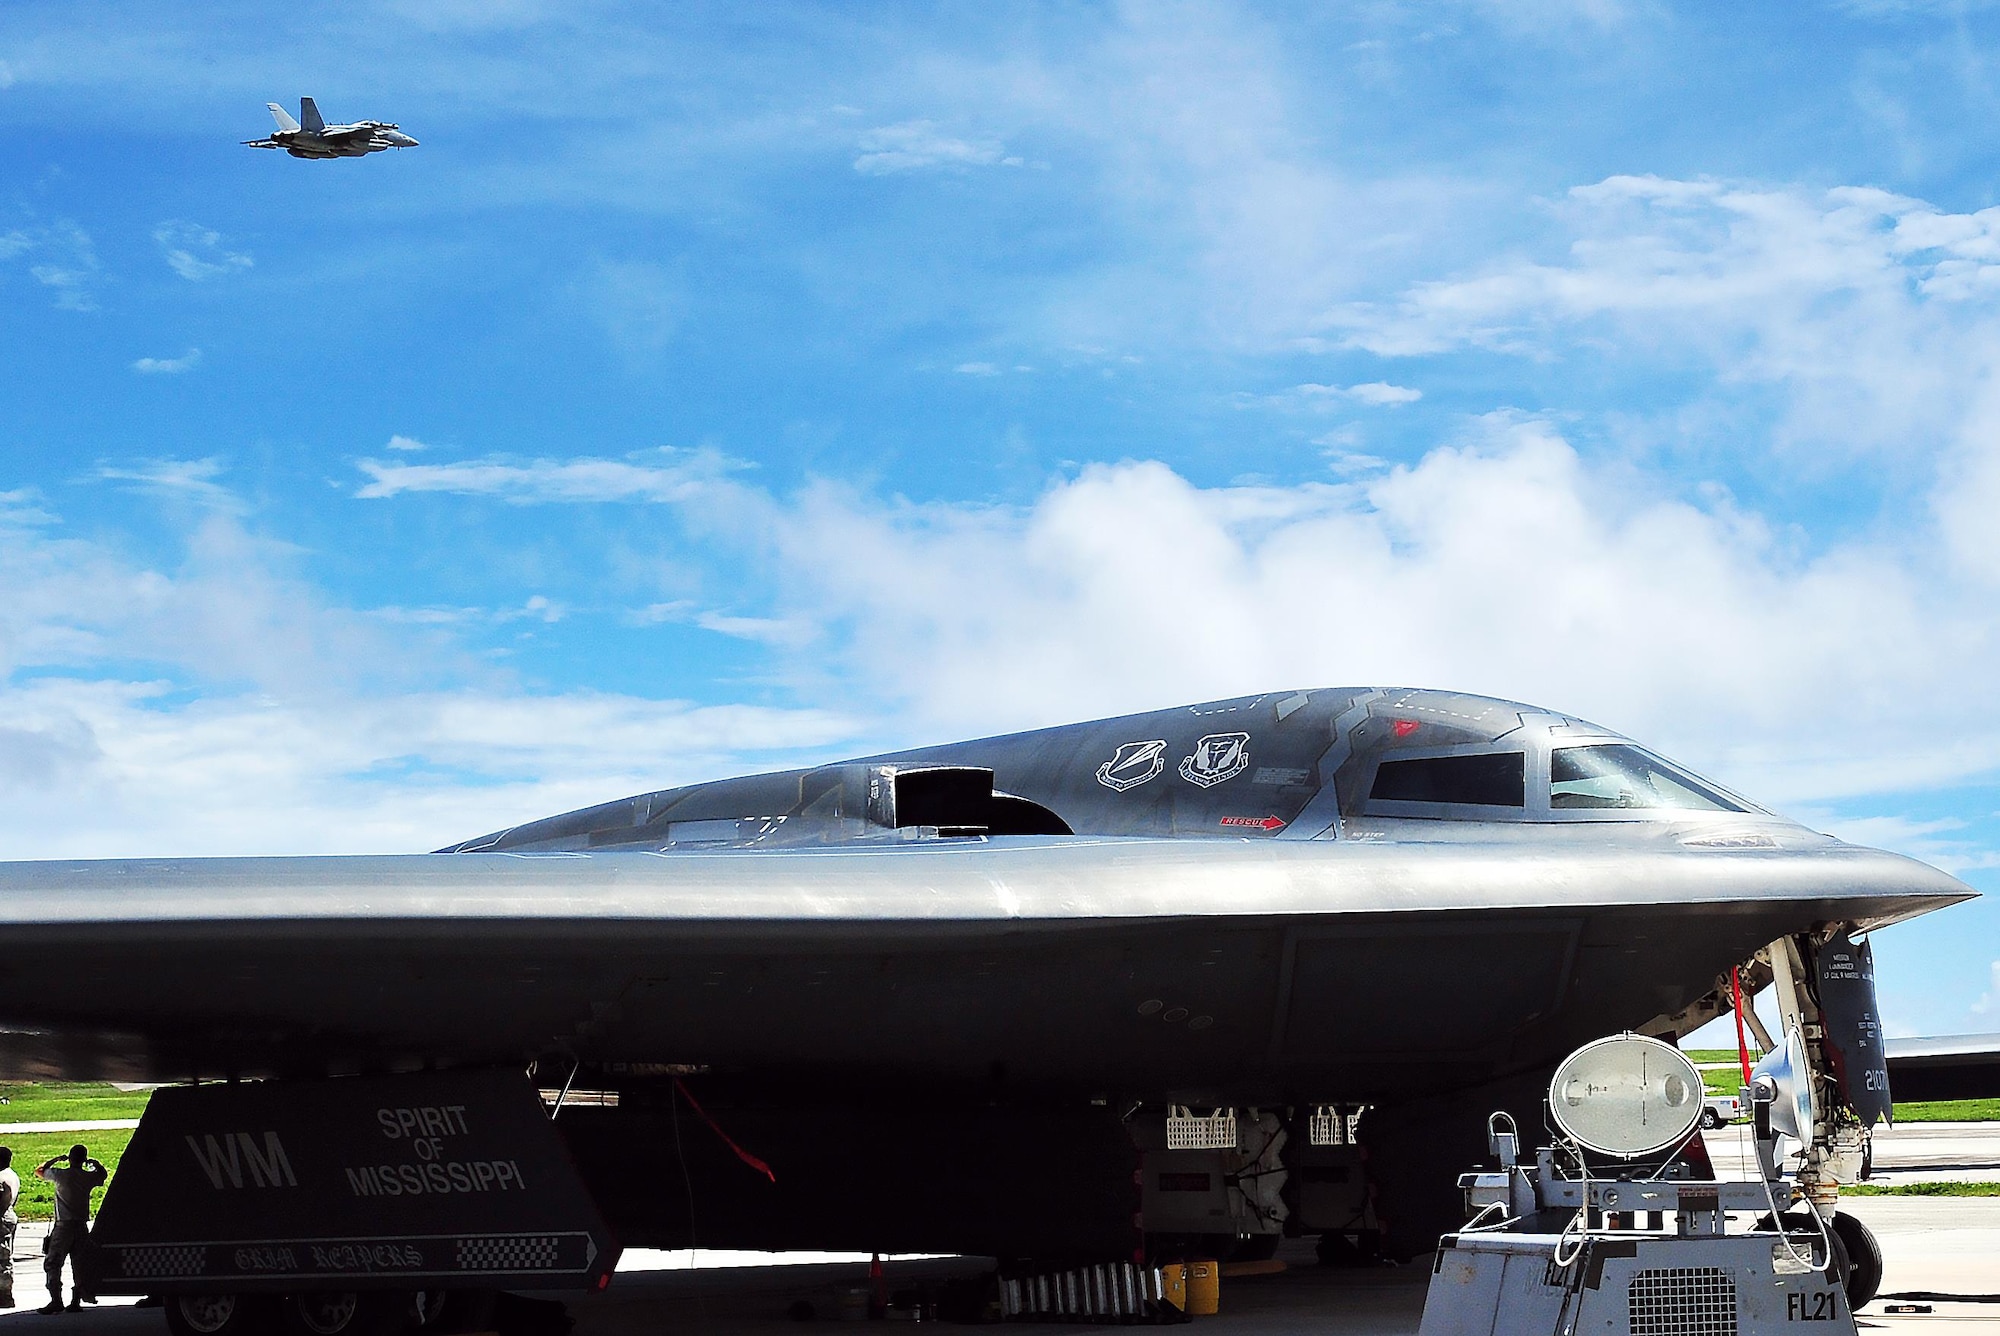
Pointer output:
x,y
1495,779
1621,776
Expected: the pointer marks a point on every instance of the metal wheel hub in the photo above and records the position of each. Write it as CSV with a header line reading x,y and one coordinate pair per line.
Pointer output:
x,y
207,1312
328,1314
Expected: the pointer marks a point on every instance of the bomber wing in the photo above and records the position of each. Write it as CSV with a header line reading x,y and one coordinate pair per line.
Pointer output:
x,y
1076,962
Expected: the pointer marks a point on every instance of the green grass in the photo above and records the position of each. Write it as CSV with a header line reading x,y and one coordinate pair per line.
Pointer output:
x,y
1927,1189
1720,1080
38,1199
68,1103
1950,1111
1729,1080
62,1103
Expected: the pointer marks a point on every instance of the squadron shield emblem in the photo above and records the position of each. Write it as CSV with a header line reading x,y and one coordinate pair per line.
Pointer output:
x,y
1133,764
1217,757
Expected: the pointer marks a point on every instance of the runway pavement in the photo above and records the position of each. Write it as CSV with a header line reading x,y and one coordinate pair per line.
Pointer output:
x,y
1911,1153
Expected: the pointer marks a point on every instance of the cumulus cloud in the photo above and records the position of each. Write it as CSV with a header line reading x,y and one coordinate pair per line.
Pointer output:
x,y
405,443
1504,563
1987,1008
1315,397
109,768
62,259
168,366
919,145
663,475
268,719
191,479
1872,314
196,252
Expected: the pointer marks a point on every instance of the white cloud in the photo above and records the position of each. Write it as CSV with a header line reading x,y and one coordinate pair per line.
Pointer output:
x,y
1505,564
1989,1001
193,479
1315,397
65,261
270,721
1380,394
168,366
196,252
976,369
919,145
406,443
109,769
679,476
1872,314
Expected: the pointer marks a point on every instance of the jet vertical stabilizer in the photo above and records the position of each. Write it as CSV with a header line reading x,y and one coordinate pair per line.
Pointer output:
x,y
282,117
309,117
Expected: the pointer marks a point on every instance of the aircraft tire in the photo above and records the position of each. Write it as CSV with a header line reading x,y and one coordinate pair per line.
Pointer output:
x,y
461,1311
220,1314
347,1313
1862,1277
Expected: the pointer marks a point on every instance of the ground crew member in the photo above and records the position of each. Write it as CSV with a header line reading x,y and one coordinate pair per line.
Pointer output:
x,y
69,1236
10,1192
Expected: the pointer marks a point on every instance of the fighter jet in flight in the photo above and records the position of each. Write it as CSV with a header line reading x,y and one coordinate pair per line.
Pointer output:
x,y
311,137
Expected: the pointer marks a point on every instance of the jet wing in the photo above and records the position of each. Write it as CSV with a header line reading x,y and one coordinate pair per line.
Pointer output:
x,y
347,131
1082,962
1964,1066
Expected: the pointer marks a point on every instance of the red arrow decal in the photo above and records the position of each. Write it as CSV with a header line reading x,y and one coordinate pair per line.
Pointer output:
x,y
1255,822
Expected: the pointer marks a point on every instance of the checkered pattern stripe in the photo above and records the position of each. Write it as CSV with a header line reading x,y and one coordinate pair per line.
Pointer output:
x,y
188,1259
508,1252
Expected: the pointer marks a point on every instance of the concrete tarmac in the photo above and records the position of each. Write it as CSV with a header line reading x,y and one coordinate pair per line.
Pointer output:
x,y
1909,1153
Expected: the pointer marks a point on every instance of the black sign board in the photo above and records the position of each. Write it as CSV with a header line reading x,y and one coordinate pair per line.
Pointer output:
x,y
1844,971
436,1180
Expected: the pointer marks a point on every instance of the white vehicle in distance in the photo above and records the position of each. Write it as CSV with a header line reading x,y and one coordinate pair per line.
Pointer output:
x,y
1719,1109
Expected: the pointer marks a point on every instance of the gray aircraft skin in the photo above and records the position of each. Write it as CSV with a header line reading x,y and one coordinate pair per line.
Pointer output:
x,y
1394,896
311,137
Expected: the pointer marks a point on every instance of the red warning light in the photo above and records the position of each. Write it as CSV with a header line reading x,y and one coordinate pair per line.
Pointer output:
x,y
1405,727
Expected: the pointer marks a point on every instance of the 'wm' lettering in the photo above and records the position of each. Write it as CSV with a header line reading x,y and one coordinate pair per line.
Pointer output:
x,y
226,1158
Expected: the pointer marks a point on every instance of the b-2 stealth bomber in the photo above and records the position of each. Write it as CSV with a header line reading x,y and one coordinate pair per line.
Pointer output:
x,y
311,137
1072,993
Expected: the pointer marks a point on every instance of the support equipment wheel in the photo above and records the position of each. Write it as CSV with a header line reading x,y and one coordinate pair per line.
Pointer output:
x,y
1863,1277
220,1314
453,1311
348,1313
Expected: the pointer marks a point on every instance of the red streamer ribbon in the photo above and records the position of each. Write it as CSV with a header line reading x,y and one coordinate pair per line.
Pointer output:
x,y
1742,1045
716,1128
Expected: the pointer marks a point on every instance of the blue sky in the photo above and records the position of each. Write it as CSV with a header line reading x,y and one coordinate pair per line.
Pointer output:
x,y
720,389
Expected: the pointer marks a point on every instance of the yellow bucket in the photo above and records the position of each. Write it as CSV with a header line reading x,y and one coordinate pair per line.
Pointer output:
x,y
1204,1289
1173,1285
